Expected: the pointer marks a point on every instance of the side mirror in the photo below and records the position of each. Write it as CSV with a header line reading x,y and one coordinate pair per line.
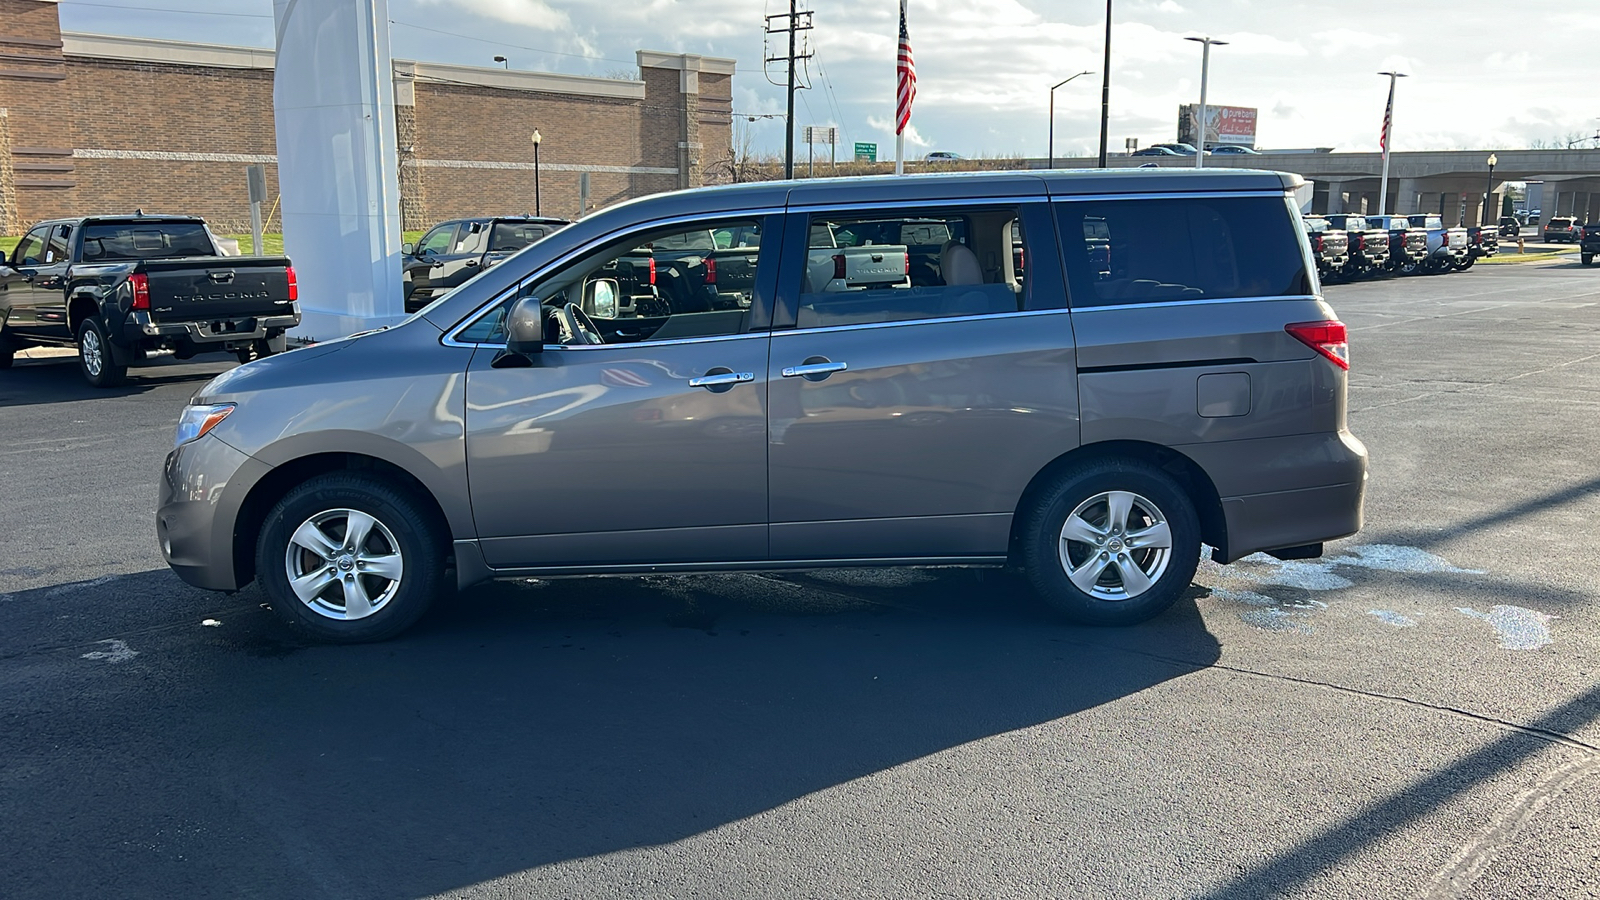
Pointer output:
x,y
476,227
600,298
525,324
408,249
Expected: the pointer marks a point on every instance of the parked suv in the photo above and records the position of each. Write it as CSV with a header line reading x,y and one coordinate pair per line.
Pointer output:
x,y
1192,391
1589,242
1561,228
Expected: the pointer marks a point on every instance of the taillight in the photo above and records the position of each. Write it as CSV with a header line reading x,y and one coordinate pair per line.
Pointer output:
x,y
711,271
838,265
1326,337
1316,242
908,261
140,283
652,270
1358,243
294,285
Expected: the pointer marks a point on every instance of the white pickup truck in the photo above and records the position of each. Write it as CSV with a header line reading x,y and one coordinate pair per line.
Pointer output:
x,y
831,268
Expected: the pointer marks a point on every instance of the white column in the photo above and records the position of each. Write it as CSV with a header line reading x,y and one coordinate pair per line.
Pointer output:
x,y
338,170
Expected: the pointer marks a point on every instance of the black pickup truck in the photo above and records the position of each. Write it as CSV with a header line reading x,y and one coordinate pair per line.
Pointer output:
x,y
122,288
1408,245
1329,246
1482,240
452,252
1588,242
1367,243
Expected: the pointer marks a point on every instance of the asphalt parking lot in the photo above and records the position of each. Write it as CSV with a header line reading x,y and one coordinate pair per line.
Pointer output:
x,y
1413,715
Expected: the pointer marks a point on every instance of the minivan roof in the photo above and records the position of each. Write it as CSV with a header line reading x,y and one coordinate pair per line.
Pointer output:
x,y
953,186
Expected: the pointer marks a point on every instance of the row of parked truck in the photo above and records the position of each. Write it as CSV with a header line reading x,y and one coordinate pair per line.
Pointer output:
x,y
1349,246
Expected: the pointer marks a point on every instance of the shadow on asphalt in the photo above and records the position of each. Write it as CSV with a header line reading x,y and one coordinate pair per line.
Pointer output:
x,y
57,380
522,725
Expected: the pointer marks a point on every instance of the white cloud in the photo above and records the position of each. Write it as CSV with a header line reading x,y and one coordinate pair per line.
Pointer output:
x,y
531,13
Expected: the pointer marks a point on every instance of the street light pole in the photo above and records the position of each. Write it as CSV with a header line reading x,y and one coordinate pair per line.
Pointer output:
x,y
1388,140
536,139
503,61
1052,151
1105,90
1205,72
1488,192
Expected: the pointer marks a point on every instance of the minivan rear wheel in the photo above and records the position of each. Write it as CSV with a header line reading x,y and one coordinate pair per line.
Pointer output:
x,y
1112,542
349,559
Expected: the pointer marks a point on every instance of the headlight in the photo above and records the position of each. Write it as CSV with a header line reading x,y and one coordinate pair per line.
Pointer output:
x,y
197,420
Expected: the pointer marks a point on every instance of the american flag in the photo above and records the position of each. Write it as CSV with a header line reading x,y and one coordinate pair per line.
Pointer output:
x,y
906,77
1388,113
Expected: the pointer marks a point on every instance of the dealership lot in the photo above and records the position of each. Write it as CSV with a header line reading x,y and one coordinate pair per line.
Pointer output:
x,y
1414,714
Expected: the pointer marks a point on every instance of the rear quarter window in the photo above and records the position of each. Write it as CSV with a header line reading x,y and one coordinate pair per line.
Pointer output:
x,y
1120,252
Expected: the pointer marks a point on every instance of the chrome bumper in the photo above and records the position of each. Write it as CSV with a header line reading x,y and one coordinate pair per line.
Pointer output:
x,y
200,332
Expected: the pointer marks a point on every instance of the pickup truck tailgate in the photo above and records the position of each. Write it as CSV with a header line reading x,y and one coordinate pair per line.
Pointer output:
x,y
217,288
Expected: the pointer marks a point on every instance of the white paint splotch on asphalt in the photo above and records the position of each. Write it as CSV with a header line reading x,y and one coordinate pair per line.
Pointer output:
x,y
1519,628
1390,617
116,652
1250,582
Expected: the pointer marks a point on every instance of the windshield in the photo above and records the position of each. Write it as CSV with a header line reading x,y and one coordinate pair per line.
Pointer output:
x,y
1316,226
111,241
513,236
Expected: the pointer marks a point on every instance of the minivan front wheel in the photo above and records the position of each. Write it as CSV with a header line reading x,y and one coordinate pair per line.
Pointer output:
x,y
1111,543
348,558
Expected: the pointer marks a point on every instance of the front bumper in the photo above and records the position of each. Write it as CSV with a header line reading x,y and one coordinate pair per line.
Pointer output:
x,y
202,487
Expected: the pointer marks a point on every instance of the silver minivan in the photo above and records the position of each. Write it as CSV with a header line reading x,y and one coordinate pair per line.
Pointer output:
x,y
1082,375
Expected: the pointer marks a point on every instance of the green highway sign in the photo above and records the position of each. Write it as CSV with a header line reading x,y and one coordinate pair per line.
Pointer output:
x,y
866,152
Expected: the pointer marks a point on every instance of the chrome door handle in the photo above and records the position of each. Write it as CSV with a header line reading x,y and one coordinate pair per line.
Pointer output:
x,y
722,378
822,368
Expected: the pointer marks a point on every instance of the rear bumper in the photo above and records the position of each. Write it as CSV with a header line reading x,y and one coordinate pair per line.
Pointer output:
x,y
1285,491
139,328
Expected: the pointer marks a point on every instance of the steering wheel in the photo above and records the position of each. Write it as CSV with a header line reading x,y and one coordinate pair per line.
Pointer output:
x,y
579,325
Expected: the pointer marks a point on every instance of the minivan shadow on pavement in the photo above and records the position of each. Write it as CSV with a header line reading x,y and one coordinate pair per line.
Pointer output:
x,y
521,725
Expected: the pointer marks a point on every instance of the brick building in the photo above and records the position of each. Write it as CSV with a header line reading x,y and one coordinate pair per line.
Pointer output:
x,y
100,124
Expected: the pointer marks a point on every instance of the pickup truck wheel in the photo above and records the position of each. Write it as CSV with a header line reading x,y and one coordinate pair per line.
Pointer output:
x,y
348,559
1465,264
8,350
1586,258
1113,542
99,367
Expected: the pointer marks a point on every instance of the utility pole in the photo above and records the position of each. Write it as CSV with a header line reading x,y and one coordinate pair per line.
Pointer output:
x,y
1105,90
795,21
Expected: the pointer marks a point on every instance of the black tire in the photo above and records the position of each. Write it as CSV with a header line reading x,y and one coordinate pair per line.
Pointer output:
x,y
1465,264
8,349
1081,490
95,361
1586,258
403,529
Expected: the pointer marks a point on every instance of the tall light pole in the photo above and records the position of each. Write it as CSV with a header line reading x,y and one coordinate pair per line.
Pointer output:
x,y
536,139
1388,127
1205,72
1105,90
1488,192
503,61
1052,151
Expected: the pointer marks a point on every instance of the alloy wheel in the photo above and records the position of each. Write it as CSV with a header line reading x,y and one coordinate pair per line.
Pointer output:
x,y
343,564
1115,545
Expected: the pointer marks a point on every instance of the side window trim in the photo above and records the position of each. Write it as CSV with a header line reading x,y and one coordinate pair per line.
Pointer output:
x,y
758,322
798,243
40,235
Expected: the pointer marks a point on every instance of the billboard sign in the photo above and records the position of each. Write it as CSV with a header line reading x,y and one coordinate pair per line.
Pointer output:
x,y
1224,125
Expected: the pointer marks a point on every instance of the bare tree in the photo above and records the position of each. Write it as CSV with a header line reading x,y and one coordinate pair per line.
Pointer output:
x,y
741,162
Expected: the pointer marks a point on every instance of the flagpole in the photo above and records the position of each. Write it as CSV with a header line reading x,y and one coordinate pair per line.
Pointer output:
x,y
899,133
1388,139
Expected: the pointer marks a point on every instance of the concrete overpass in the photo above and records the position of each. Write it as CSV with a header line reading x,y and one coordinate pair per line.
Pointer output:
x,y
1450,182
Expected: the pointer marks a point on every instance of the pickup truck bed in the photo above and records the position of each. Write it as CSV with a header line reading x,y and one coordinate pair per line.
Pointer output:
x,y
121,289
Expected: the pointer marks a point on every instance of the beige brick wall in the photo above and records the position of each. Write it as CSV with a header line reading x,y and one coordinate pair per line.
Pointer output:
x,y
95,135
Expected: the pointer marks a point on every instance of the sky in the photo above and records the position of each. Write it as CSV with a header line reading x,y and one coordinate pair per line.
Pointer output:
x,y
1480,77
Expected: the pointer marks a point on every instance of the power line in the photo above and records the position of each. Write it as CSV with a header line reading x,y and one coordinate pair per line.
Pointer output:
x,y
795,21
167,9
